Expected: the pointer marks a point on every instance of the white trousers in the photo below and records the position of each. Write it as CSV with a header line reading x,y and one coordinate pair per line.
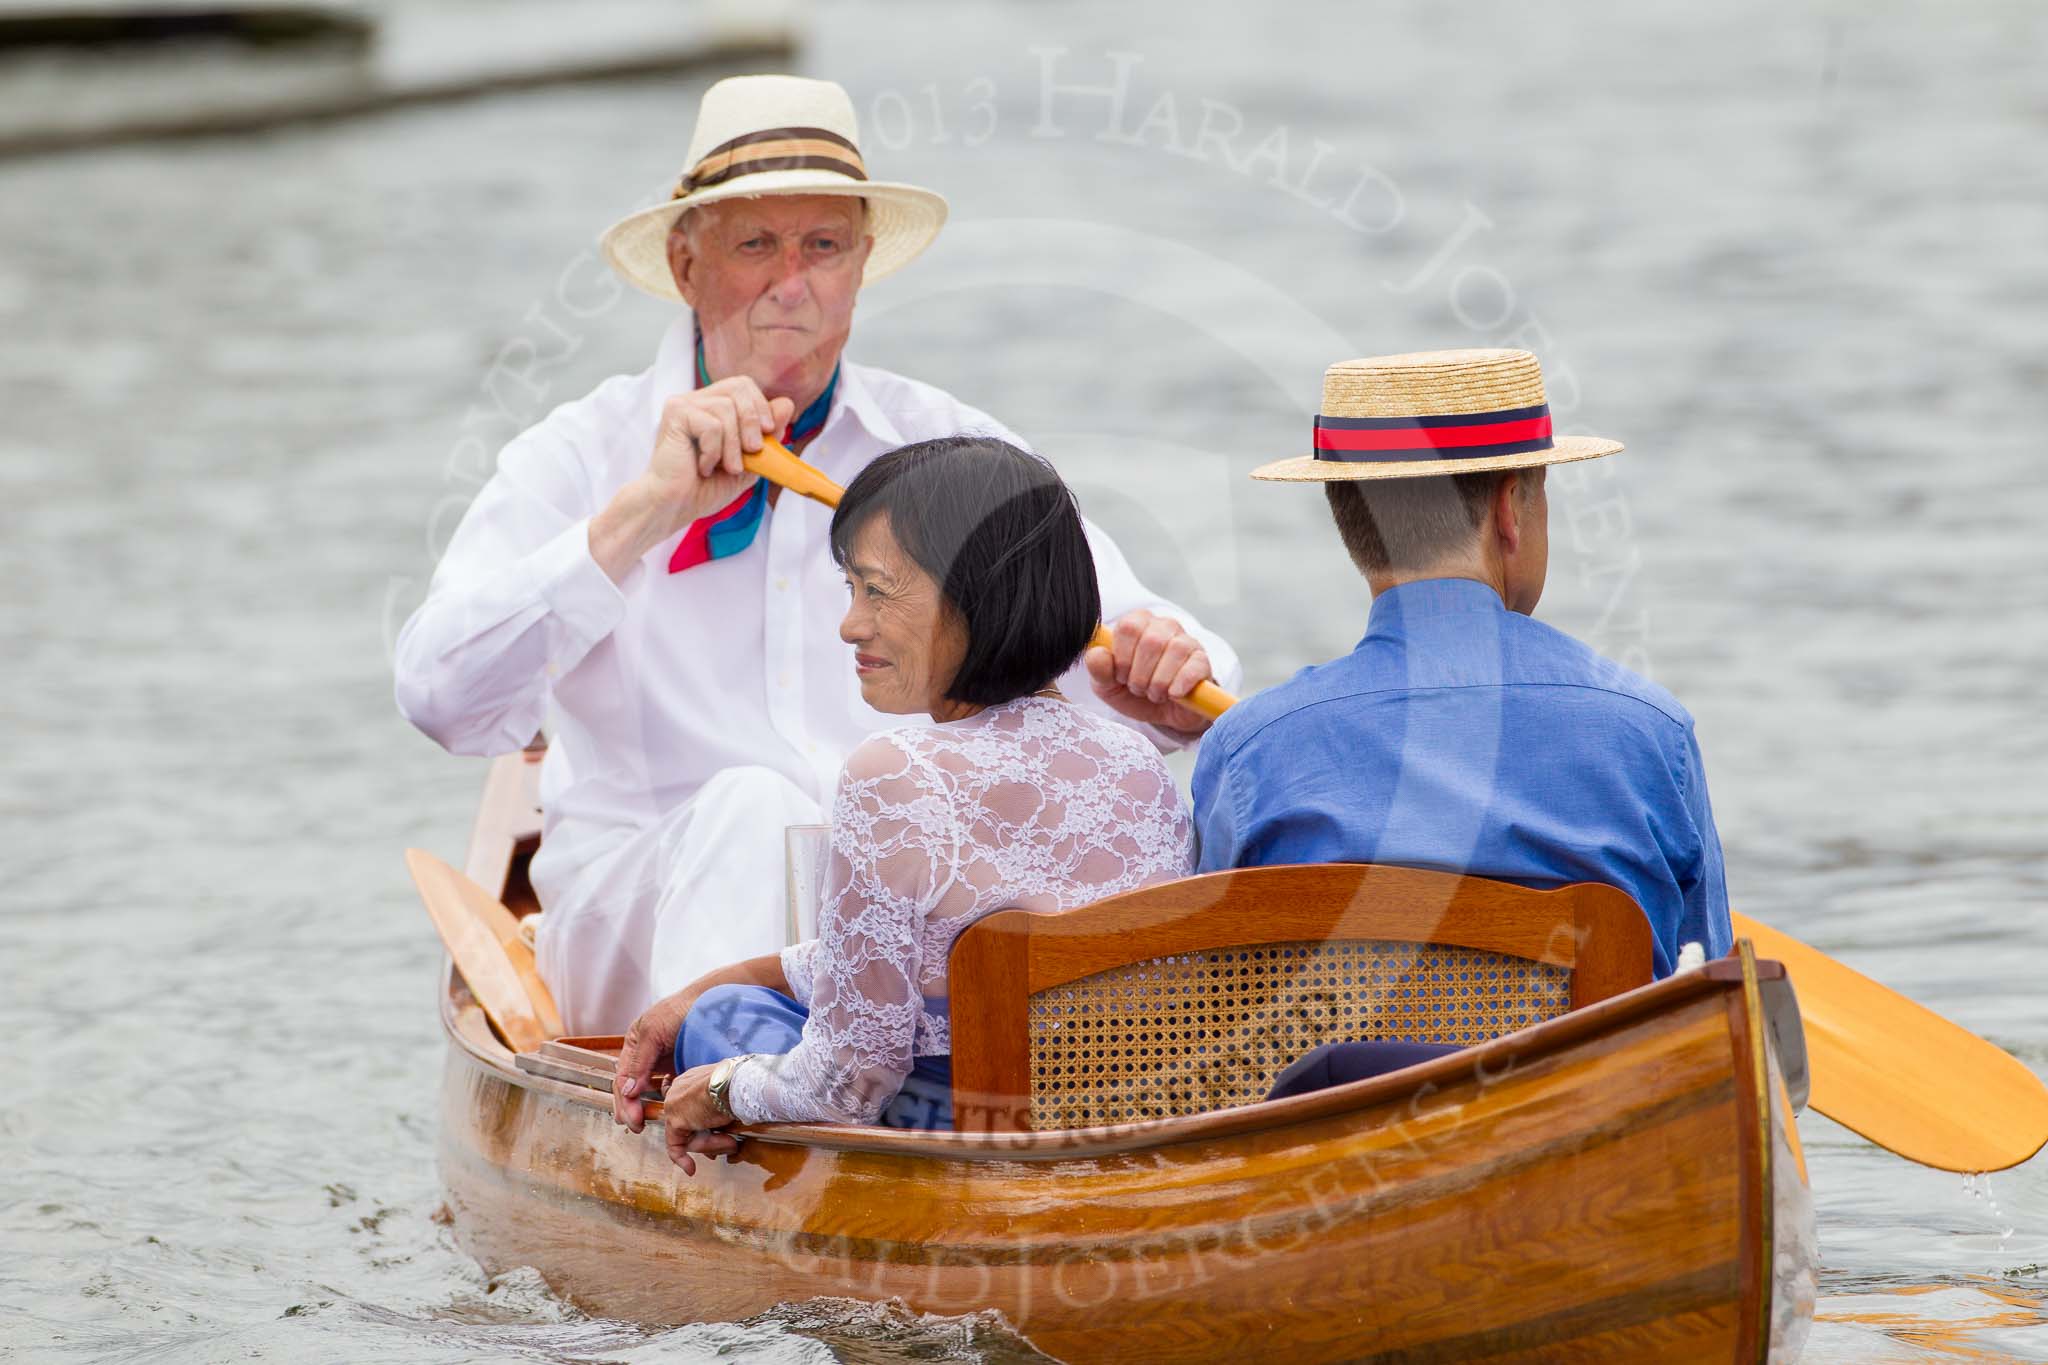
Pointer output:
x,y
645,914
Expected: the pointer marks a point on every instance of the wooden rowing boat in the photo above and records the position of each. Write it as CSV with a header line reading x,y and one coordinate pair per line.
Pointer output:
x,y
1622,1182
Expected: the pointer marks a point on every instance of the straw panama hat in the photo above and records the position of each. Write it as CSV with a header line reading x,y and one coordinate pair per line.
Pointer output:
x,y
765,135
1433,412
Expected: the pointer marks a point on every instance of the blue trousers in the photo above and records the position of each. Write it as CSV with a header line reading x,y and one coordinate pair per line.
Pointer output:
x,y
730,1021
1335,1063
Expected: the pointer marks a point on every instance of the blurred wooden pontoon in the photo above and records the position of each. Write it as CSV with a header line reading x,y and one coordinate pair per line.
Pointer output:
x,y
78,74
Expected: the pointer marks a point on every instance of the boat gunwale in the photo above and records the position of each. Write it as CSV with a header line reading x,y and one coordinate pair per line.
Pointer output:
x,y
1754,1106
466,1029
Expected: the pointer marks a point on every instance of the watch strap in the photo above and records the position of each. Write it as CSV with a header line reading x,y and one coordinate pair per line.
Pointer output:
x,y
720,1087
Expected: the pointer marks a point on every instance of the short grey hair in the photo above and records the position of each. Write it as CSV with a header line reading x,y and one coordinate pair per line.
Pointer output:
x,y
1411,525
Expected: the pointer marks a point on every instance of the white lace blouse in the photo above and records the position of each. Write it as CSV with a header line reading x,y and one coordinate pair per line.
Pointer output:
x,y
1033,803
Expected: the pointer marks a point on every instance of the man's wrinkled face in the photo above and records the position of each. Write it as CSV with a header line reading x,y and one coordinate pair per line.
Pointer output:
x,y
772,281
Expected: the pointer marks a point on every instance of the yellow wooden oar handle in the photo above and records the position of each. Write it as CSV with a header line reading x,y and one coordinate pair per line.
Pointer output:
x,y
774,463
1211,700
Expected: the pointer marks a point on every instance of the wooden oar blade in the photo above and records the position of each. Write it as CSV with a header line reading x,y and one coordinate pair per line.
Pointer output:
x,y
504,926
1900,1074
463,914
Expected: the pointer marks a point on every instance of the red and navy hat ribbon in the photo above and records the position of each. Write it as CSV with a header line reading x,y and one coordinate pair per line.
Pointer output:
x,y
1454,436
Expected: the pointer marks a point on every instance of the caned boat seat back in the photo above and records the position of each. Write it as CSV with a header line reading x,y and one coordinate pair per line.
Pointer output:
x,y
1193,995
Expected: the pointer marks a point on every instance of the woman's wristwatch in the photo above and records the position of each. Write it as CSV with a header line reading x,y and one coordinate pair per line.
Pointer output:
x,y
720,1088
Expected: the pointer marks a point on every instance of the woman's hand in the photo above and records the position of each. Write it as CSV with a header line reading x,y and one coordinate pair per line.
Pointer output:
x,y
651,1040
690,1120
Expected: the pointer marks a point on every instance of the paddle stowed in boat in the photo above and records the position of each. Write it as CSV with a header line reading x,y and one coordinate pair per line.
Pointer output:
x,y
774,462
483,938
1892,1070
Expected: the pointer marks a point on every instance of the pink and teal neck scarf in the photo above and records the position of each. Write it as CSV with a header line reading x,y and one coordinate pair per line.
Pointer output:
x,y
731,529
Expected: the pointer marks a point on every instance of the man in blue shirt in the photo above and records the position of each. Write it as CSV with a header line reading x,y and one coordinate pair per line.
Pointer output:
x,y
1460,734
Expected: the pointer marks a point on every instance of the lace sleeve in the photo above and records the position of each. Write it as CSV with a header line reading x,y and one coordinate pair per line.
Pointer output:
x,y
797,963
893,848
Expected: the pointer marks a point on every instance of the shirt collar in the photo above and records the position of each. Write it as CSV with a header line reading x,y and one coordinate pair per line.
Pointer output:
x,y
857,398
1431,597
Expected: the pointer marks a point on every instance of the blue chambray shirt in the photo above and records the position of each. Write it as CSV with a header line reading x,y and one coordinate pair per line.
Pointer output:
x,y
1462,736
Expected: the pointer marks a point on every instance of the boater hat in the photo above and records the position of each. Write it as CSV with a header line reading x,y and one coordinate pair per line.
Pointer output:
x,y
1433,412
765,135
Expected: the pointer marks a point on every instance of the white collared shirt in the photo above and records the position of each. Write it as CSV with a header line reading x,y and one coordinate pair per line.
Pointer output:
x,y
662,680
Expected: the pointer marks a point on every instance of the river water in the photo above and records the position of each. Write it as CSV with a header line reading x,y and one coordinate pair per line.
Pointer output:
x,y
1792,255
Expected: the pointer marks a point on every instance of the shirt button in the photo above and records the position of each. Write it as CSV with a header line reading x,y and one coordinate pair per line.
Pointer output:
x,y
782,681
782,585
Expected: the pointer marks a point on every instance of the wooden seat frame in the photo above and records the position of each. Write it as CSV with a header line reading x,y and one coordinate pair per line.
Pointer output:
x,y
1596,932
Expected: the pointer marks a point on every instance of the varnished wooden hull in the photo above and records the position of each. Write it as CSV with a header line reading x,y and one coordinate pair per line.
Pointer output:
x,y
1596,1188
1617,1184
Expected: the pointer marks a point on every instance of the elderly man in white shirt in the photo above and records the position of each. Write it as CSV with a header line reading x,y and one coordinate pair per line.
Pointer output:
x,y
681,618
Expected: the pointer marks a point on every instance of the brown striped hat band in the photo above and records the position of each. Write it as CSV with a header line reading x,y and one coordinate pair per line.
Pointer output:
x,y
774,149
